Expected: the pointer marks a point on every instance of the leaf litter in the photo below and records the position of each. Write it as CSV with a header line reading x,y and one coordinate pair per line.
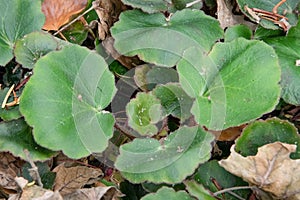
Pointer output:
x,y
270,170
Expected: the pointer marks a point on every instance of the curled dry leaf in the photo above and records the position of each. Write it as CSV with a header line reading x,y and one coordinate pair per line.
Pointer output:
x,y
271,170
95,193
70,179
59,12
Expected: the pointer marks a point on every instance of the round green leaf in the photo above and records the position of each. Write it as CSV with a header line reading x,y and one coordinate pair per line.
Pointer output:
x,y
169,193
288,51
236,83
19,17
211,171
161,41
260,133
237,31
174,100
64,101
286,9
170,160
35,45
16,135
143,113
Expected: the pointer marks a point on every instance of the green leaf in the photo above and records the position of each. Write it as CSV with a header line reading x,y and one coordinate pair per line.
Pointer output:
x,y
166,192
150,6
64,100
162,41
288,51
19,17
35,45
47,176
260,133
148,76
174,100
198,191
16,135
143,113
76,33
10,113
211,171
237,31
285,9
236,83
169,161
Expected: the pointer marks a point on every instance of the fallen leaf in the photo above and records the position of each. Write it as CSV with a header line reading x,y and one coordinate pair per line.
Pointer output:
x,y
95,193
229,134
38,193
108,12
72,178
226,17
9,168
59,12
271,170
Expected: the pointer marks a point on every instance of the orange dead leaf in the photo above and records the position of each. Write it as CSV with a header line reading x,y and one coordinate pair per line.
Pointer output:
x,y
59,12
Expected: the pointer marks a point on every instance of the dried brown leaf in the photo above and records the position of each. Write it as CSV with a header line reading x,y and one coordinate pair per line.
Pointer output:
x,y
226,17
70,179
59,12
271,170
96,193
38,193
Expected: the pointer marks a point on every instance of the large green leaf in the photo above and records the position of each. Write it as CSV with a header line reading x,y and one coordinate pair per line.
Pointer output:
x,y
18,18
159,40
237,82
170,161
169,193
143,113
35,45
286,9
153,6
260,133
64,101
16,136
288,51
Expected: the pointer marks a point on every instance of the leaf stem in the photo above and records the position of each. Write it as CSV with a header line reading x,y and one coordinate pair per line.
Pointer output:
x,y
234,188
192,3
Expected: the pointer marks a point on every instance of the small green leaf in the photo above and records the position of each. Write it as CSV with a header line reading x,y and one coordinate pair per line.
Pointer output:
x,y
143,113
18,18
162,41
64,100
76,33
288,51
148,76
169,161
260,133
287,9
237,31
211,171
166,192
16,135
236,83
10,113
47,176
35,45
198,191
174,100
